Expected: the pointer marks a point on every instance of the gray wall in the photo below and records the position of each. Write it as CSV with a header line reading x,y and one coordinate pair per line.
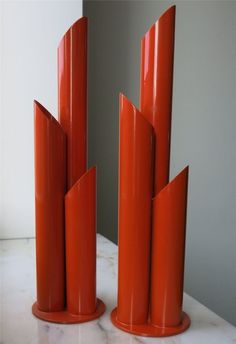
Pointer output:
x,y
203,127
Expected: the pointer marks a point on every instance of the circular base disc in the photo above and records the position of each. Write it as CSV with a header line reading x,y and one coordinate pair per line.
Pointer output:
x,y
149,330
64,317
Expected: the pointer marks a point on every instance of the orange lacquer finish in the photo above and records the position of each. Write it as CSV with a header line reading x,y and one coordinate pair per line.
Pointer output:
x,y
135,192
165,317
66,195
72,97
150,279
157,54
50,187
80,219
168,247
80,209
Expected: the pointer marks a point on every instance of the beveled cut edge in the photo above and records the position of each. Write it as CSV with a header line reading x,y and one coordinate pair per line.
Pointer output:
x,y
81,21
133,109
180,175
64,317
91,171
168,12
48,116
150,330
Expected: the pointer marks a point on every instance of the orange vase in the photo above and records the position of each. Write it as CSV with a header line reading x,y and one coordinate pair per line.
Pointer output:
x,y
157,56
80,208
168,247
50,187
66,195
135,192
72,97
151,231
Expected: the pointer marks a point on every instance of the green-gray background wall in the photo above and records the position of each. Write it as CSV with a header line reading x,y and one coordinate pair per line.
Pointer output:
x,y
203,126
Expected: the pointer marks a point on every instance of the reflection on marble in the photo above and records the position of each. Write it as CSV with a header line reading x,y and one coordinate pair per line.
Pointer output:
x,y
19,326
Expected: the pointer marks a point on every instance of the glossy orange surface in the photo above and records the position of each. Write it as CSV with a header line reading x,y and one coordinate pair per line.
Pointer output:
x,y
135,192
72,97
80,208
150,279
166,317
157,54
50,188
66,276
64,317
150,330
168,248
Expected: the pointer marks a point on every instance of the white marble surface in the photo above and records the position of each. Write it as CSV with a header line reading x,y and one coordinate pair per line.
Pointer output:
x,y
19,326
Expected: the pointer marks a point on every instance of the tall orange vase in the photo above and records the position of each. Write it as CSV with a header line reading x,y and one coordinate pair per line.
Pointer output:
x,y
135,193
65,195
157,56
152,210
50,188
72,97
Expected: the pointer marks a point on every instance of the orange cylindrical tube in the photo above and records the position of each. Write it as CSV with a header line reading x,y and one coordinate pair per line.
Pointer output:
x,y
50,188
157,54
72,97
80,209
135,192
168,250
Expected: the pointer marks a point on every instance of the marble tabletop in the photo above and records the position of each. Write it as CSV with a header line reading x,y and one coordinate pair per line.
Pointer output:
x,y
19,326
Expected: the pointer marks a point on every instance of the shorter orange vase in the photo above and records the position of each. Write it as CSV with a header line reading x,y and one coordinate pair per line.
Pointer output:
x,y
168,247
80,209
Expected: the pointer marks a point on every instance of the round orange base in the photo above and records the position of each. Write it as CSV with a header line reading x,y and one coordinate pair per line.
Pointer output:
x,y
149,330
64,317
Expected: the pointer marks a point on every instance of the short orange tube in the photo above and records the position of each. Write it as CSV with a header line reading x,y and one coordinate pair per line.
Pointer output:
x,y
80,209
157,55
135,193
50,188
72,97
168,251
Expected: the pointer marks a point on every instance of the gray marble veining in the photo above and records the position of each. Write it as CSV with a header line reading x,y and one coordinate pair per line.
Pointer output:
x,y
19,326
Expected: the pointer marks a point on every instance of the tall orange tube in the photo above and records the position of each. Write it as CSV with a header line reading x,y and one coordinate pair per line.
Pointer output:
x,y
135,192
50,187
168,248
80,208
157,55
72,97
